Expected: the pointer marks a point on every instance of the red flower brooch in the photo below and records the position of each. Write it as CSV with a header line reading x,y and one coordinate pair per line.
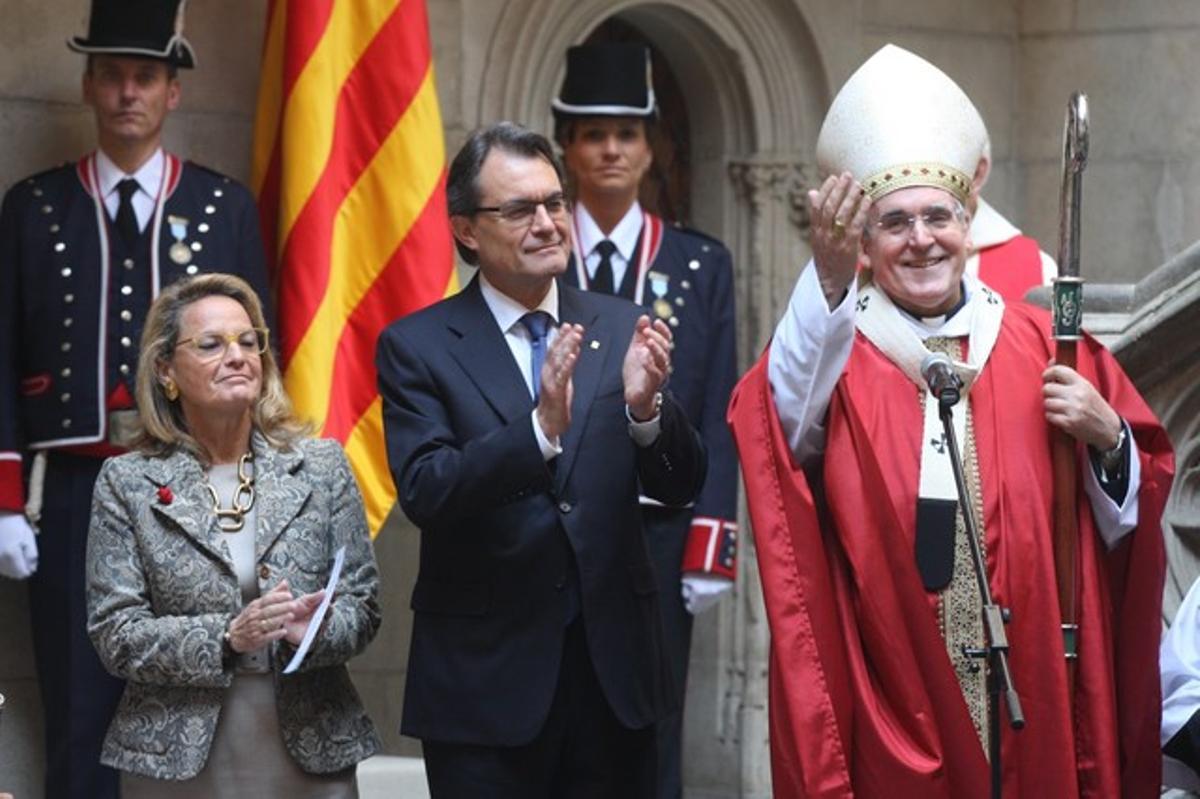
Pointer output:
x,y
164,495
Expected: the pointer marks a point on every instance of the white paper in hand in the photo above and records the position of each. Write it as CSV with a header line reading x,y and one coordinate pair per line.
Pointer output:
x,y
318,616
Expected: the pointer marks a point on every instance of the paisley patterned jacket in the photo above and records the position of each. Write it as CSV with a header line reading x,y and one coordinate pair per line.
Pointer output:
x,y
162,591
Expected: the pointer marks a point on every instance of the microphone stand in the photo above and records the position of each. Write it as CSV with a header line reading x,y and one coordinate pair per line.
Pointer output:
x,y
994,617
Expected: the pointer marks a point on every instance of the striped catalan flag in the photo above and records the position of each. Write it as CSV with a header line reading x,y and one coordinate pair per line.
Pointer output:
x,y
350,169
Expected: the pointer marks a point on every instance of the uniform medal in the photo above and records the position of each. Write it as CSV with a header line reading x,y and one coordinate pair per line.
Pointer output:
x,y
180,253
659,283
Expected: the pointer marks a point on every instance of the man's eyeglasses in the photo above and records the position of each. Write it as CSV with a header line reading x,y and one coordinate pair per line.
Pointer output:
x,y
520,213
936,218
210,346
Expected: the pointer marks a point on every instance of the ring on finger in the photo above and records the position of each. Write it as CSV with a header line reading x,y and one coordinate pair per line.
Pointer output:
x,y
839,228
264,627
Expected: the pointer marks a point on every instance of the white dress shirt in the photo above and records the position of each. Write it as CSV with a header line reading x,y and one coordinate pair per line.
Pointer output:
x,y
624,236
507,313
149,179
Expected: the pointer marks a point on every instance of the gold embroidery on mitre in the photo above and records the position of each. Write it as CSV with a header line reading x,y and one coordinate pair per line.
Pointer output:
x,y
927,173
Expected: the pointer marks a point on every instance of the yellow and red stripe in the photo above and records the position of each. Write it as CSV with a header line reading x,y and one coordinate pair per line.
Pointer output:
x,y
349,169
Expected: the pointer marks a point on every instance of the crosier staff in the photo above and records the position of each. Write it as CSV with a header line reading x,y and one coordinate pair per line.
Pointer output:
x,y
1068,316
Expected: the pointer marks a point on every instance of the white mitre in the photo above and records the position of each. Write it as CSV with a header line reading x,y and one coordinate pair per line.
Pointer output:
x,y
900,121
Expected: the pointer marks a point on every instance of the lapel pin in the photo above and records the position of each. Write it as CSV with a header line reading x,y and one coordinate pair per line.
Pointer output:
x,y
594,344
164,495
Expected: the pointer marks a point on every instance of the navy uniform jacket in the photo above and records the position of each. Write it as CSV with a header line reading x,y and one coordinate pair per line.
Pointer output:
x,y
689,283
62,316
513,547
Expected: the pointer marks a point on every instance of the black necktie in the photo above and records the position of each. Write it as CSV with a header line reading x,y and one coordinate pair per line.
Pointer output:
x,y
603,281
127,223
538,325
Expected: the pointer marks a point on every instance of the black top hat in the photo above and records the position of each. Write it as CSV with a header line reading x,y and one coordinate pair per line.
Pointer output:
x,y
606,80
147,28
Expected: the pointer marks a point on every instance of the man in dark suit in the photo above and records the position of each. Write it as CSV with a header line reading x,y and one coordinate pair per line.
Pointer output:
x,y
603,117
517,446
84,249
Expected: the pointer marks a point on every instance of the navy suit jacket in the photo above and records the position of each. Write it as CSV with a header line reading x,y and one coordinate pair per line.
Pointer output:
x,y
509,543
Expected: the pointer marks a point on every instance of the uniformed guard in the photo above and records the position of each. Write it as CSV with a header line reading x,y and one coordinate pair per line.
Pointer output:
x,y
84,248
683,277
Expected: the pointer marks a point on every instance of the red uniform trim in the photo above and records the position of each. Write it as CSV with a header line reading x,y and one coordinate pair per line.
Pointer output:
x,y
711,547
12,486
83,171
174,170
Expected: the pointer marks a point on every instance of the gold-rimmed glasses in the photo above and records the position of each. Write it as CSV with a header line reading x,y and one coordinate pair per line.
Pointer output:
x,y
936,218
210,346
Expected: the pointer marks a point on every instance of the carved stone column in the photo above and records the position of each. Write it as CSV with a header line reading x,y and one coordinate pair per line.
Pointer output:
x,y
771,191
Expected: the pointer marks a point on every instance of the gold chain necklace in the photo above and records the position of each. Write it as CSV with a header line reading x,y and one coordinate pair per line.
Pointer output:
x,y
230,520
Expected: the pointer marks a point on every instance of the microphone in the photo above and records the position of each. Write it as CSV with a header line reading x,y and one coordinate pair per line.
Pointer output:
x,y
939,375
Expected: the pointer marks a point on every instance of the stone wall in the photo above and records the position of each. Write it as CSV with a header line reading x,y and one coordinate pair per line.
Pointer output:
x,y
1137,63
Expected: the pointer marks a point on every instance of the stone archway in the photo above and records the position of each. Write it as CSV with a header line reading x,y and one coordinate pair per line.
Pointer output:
x,y
758,89
764,88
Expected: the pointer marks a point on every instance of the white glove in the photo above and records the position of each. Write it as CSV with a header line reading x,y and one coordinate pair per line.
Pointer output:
x,y
701,591
18,547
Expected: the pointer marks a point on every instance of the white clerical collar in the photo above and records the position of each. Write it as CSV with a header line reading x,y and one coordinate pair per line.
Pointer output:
x,y
956,323
508,311
624,235
148,175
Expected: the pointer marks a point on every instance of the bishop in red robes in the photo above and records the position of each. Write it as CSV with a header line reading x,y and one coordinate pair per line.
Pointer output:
x,y
867,579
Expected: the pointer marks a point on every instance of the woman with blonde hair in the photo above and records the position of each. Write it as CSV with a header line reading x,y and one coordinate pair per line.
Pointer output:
x,y
209,546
